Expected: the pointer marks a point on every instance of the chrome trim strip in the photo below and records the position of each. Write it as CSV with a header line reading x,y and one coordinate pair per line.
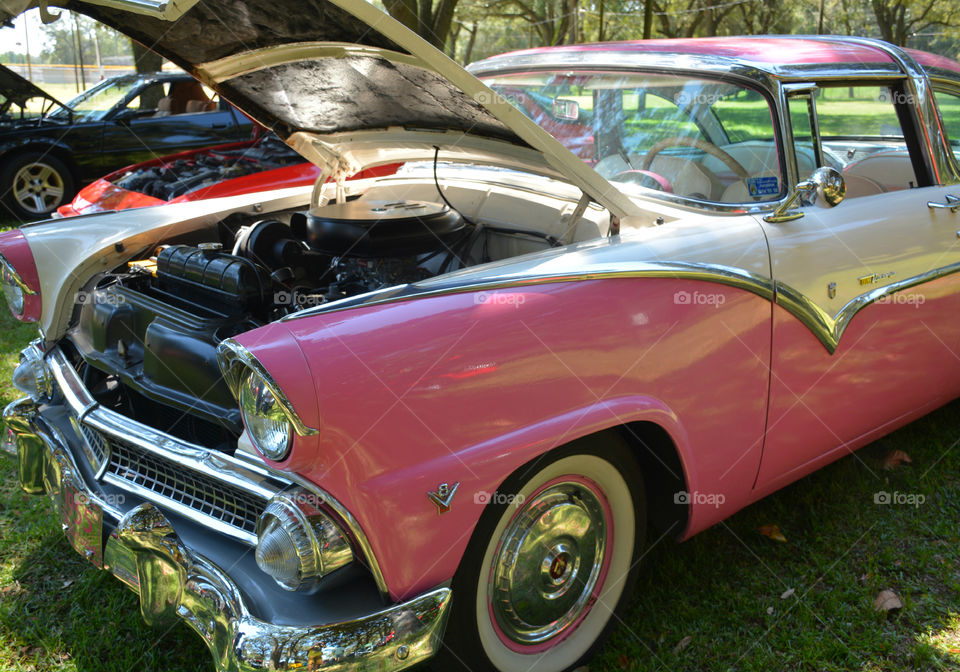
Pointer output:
x,y
829,330
12,272
230,355
715,273
74,393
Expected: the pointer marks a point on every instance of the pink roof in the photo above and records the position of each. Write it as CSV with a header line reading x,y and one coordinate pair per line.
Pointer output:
x,y
928,60
766,51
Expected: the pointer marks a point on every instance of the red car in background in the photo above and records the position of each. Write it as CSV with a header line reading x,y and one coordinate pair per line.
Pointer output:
x,y
260,164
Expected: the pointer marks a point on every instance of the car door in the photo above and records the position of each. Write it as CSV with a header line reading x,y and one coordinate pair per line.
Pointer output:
x,y
865,335
142,130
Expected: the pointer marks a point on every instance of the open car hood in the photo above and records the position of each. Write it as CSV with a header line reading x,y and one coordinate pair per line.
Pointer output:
x,y
344,84
19,90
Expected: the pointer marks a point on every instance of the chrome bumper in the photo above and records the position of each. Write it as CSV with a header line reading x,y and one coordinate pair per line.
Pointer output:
x,y
145,552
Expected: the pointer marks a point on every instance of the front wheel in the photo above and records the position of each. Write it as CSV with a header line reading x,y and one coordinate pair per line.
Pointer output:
x,y
554,557
35,185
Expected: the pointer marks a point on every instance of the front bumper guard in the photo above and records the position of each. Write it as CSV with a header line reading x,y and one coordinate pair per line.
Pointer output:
x,y
145,552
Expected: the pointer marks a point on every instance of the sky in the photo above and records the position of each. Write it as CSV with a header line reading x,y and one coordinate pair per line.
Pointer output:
x,y
15,39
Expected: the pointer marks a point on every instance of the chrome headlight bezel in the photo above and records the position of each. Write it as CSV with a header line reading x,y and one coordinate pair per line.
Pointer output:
x,y
12,291
266,423
15,290
237,365
294,522
32,375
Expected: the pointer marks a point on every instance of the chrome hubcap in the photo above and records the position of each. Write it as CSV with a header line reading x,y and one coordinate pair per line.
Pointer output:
x,y
38,188
548,564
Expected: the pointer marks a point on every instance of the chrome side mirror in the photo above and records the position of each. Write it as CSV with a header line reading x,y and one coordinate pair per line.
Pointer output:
x,y
825,184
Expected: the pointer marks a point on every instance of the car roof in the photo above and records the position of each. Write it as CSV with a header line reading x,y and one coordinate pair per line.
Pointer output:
x,y
783,56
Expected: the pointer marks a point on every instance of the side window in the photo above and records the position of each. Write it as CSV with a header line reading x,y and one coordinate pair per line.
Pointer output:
x,y
859,134
801,121
949,104
145,103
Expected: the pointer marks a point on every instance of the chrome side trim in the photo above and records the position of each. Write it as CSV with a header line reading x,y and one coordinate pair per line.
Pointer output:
x,y
715,273
12,272
829,329
231,356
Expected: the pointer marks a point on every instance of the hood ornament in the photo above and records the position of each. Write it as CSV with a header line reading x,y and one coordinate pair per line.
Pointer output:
x,y
443,497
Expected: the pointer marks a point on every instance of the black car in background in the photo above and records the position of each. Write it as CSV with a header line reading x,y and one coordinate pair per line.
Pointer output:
x,y
48,149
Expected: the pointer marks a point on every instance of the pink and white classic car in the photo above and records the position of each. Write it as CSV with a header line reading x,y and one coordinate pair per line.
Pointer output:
x,y
434,413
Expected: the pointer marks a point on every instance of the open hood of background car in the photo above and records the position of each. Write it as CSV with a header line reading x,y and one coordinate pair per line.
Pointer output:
x,y
344,84
19,90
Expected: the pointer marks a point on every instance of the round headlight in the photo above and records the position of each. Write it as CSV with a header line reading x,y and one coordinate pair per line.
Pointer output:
x,y
13,293
265,421
298,543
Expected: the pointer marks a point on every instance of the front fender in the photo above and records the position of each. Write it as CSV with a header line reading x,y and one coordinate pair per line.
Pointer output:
x,y
464,388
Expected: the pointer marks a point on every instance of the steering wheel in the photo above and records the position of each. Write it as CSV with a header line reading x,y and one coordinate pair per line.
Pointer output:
x,y
703,145
645,178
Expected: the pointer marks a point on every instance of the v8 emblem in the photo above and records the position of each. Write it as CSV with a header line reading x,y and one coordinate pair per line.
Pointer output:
x,y
443,497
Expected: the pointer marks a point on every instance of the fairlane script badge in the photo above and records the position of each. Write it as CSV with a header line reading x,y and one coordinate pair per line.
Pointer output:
x,y
874,278
443,497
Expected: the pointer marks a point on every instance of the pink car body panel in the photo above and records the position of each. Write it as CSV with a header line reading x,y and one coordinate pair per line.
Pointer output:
x,y
825,406
388,406
17,251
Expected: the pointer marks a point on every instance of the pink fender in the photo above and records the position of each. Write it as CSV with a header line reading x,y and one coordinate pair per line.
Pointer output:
x,y
465,388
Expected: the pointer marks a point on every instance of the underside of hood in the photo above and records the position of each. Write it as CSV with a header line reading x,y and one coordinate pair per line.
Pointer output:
x,y
344,84
15,88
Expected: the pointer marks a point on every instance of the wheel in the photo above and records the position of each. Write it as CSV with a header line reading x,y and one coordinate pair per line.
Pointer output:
x,y
34,185
554,556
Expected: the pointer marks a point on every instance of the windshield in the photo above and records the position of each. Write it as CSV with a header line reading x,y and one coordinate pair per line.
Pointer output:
x,y
95,103
696,138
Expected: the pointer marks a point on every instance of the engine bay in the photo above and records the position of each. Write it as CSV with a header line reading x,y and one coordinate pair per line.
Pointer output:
x,y
145,335
172,179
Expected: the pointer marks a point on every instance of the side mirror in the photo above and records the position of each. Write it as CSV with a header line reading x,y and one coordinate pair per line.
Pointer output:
x,y
566,109
825,184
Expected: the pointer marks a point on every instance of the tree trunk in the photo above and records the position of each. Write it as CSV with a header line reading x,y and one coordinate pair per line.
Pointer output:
x,y
144,60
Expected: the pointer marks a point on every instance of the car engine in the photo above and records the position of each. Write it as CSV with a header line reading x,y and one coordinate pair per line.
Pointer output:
x,y
182,176
146,336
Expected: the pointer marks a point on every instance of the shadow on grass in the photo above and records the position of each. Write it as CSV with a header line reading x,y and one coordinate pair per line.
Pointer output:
x,y
58,612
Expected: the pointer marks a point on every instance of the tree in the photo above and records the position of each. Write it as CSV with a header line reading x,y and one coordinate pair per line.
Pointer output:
x,y
899,20
430,19
552,21
145,60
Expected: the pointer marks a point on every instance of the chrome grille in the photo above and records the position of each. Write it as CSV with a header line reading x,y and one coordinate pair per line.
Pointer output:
x,y
95,441
207,496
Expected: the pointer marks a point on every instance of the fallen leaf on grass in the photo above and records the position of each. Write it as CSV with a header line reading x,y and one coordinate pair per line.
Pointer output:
x,y
895,458
624,661
787,593
13,588
682,644
770,611
773,532
887,600
68,583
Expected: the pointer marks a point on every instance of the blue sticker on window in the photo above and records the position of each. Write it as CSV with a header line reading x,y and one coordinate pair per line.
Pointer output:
x,y
763,186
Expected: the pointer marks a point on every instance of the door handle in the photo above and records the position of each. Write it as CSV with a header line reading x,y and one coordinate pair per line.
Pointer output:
x,y
952,204
225,125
